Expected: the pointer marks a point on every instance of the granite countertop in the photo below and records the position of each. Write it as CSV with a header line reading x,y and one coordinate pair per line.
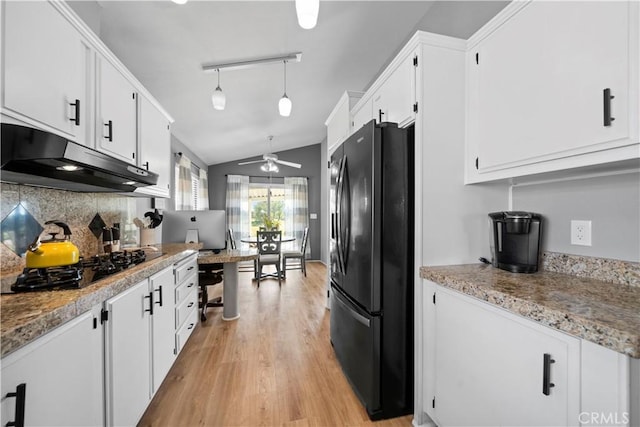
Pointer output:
x,y
604,313
29,315
227,255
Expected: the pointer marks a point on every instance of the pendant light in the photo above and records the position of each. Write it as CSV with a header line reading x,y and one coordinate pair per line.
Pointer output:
x,y
307,11
218,99
284,106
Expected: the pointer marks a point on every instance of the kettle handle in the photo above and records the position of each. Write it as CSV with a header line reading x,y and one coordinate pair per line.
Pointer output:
x,y
65,228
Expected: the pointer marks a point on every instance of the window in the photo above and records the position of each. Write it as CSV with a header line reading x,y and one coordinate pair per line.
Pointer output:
x,y
266,201
194,196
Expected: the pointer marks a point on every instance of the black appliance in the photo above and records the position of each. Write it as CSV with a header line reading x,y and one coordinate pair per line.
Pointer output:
x,y
515,240
372,266
80,275
34,157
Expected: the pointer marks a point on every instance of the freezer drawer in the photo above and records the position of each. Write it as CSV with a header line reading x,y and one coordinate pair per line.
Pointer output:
x,y
355,336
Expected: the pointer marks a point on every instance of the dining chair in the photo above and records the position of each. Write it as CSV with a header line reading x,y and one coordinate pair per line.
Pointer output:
x,y
297,256
243,266
269,243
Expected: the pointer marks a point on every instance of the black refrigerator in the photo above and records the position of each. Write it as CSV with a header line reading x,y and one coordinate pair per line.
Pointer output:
x,y
371,266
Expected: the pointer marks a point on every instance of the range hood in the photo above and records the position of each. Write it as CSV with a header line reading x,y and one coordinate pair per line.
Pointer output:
x,y
33,157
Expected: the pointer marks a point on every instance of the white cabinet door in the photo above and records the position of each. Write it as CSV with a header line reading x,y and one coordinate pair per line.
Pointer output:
x,y
155,147
116,128
537,84
162,325
394,100
44,66
62,376
127,355
363,115
490,368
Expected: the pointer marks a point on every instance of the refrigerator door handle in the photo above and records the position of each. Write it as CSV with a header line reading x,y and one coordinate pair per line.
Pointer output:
x,y
339,191
357,316
346,196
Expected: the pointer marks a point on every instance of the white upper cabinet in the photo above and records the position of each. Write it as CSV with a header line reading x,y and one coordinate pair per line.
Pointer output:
x,y
154,147
339,121
362,113
44,63
395,100
553,85
116,127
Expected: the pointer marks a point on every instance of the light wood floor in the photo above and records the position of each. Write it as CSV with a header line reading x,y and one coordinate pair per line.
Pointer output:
x,y
273,366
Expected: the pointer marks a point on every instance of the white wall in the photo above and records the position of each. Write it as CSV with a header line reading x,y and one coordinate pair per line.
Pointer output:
x,y
612,203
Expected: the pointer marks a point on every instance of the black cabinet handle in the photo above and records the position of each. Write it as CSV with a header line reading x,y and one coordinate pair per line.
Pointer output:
x,y
380,113
190,268
476,162
190,285
606,99
150,309
146,165
76,119
191,325
159,290
546,374
110,129
20,395
190,304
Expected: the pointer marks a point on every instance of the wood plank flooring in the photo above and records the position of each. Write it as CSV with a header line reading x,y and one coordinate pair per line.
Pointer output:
x,y
274,366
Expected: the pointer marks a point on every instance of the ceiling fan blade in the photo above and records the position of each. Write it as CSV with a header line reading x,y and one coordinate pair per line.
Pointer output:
x,y
284,162
250,162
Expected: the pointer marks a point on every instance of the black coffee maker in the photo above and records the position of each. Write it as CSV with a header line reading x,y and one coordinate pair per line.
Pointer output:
x,y
515,240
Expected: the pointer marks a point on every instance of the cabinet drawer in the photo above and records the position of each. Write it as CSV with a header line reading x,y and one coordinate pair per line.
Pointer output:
x,y
182,290
185,331
183,310
185,268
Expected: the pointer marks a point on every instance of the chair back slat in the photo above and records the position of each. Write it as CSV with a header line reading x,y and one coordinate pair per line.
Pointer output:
x,y
305,238
232,240
269,242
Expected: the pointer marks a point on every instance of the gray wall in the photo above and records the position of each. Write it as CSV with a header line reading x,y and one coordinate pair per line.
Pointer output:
x,y
309,157
612,204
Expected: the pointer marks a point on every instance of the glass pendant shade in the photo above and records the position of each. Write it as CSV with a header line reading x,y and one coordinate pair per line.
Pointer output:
x,y
307,11
269,167
284,106
218,99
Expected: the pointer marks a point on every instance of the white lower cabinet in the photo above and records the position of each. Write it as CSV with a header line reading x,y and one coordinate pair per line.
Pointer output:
x,y
484,366
140,346
186,300
60,374
492,368
127,353
162,326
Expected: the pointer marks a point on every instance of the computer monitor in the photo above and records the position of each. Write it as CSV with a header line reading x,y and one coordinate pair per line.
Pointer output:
x,y
207,227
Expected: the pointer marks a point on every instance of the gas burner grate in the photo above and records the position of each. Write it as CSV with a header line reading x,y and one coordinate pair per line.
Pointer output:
x,y
34,279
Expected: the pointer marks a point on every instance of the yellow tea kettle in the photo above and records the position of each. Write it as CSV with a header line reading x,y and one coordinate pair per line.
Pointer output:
x,y
53,252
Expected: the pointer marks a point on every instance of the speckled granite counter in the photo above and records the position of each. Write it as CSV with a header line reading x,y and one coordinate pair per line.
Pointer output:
x,y
604,313
231,255
27,316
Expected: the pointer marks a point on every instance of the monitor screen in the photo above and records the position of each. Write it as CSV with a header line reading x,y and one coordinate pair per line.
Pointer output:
x,y
206,227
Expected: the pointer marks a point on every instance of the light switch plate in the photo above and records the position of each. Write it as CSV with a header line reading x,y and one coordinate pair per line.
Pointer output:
x,y
313,216
581,233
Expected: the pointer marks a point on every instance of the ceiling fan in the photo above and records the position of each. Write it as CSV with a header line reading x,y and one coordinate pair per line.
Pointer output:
x,y
270,161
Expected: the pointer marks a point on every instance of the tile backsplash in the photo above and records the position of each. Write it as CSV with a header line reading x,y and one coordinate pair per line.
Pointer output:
x,y
75,209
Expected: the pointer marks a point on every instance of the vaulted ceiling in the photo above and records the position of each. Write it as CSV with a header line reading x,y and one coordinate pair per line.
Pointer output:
x,y
165,45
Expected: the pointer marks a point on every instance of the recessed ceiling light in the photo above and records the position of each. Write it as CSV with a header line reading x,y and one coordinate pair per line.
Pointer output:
x,y
179,1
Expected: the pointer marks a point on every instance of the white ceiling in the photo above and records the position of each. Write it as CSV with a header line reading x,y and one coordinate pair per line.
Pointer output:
x,y
164,45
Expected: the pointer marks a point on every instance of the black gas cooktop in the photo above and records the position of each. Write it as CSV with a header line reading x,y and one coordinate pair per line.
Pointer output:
x,y
80,275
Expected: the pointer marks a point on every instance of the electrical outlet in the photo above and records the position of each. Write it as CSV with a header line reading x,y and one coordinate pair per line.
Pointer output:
x,y
581,233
